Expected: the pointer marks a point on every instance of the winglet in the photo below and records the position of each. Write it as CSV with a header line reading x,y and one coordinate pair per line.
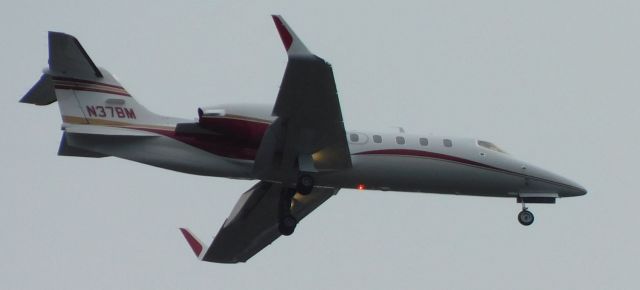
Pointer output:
x,y
292,43
194,243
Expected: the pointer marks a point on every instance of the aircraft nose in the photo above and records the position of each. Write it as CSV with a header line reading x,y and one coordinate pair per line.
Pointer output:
x,y
551,181
566,187
574,189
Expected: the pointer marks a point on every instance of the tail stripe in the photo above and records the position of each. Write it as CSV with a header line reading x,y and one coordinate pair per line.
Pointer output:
x,y
57,78
84,85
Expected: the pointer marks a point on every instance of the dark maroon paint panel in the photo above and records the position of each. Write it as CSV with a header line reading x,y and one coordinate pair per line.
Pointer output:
x,y
195,245
284,33
246,130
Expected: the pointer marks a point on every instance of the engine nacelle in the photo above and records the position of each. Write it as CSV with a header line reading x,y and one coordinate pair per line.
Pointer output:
x,y
245,123
210,112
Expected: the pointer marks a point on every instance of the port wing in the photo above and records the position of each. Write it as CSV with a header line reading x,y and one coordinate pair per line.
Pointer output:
x,y
253,223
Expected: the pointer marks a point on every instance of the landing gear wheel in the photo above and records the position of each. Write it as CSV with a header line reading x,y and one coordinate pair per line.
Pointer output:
x,y
525,217
287,225
305,184
286,222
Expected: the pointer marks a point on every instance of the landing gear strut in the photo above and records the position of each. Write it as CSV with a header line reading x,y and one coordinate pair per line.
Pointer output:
x,y
525,217
286,222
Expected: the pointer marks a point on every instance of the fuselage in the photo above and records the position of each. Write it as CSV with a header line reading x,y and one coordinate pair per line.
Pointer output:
x,y
381,161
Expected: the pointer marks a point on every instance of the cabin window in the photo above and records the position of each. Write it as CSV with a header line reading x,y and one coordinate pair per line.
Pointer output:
x,y
400,140
424,141
447,143
354,137
377,138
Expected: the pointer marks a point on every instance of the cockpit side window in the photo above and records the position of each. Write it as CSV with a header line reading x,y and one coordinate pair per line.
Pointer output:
x,y
490,146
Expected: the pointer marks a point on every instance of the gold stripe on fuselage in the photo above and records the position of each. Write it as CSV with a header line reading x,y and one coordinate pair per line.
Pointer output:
x,y
110,123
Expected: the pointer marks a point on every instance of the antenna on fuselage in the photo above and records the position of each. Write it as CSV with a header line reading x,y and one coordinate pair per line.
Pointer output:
x,y
400,129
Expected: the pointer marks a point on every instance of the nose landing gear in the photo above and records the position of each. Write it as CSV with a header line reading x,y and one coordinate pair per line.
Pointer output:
x,y
525,217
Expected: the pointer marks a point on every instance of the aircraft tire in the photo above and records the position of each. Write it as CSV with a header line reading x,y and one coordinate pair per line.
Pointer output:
x,y
287,225
305,184
525,218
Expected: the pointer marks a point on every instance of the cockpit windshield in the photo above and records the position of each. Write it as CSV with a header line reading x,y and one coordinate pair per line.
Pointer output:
x,y
490,146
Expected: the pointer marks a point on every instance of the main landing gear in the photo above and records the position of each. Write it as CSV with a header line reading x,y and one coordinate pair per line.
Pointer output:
x,y
525,217
286,221
287,225
305,184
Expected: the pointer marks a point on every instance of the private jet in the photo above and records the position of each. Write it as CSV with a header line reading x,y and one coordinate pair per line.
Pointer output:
x,y
297,149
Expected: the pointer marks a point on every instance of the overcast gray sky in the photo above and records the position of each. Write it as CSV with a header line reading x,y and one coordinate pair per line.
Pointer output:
x,y
553,82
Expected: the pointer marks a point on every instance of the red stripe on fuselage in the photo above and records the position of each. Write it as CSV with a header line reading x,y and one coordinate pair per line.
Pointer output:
x,y
449,158
91,89
64,83
86,82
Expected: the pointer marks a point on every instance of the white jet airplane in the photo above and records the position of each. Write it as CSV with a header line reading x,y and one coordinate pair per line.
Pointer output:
x,y
298,149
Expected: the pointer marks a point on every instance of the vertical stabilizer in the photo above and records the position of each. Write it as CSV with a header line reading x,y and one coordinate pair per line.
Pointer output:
x,y
85,93
68,57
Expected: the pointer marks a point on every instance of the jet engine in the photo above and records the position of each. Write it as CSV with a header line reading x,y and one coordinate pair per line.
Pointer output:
x,y
240,122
